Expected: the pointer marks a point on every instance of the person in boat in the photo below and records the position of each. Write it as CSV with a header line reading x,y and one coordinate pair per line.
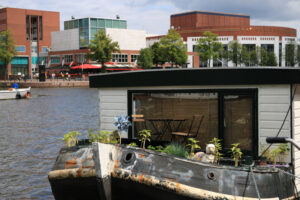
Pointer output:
x,y
207,157
15,85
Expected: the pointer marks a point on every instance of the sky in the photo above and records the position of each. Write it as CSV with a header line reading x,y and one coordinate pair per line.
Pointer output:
x,y
154,15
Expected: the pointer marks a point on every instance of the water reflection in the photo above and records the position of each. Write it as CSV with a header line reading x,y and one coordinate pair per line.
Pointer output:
x,y
30,136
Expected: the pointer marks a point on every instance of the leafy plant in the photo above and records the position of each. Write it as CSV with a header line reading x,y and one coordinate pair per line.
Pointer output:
x,y
144,135
218,149
273,155
132,144
71,138
102,136
281,150
176,149
151,147
236,153
159,148
193,143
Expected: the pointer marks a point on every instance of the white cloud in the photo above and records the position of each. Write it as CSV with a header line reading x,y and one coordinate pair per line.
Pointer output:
x,y
154,15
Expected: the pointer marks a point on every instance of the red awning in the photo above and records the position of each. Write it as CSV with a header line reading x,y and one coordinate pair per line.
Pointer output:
x,y
85,66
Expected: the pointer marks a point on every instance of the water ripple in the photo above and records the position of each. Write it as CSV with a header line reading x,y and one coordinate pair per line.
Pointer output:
x,y
30,137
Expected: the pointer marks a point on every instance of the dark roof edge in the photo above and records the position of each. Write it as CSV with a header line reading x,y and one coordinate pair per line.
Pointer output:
x,y
200,76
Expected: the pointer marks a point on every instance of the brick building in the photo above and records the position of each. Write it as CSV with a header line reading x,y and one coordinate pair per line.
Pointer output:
x,y
191,26
31,30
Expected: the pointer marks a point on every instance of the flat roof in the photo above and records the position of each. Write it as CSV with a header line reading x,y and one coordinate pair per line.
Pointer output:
x,y
197,76
210,13
95,18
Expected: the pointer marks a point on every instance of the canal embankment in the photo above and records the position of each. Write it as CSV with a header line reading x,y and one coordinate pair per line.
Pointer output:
x,y
57,83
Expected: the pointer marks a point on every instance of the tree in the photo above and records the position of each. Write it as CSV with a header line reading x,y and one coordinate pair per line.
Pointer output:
x,y
245,56
290,54
235,52
263,57
101,48
272,59
7,49
145,59
253,57
209,47
158,53
175,50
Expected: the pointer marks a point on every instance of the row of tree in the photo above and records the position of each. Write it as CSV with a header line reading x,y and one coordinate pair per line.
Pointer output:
x,y
209,49
170,49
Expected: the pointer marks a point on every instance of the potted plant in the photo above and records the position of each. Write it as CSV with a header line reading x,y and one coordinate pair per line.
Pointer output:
x,y
218,149
145,135
193,143
236,153
71,138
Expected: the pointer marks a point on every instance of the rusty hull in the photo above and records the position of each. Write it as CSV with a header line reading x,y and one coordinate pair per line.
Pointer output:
x,y
162,176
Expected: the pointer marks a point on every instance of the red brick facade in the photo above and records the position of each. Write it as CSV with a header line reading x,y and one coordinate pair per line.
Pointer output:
x,y
195,23
14,19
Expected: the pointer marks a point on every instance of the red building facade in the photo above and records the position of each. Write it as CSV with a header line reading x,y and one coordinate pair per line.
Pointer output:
x,y
31,31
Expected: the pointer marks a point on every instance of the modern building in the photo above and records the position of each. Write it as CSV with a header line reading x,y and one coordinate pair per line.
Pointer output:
x,y
69,47
191,26
89,26
31,31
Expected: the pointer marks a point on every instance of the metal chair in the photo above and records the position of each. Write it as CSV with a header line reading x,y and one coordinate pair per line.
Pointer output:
x,y
193,129
138,121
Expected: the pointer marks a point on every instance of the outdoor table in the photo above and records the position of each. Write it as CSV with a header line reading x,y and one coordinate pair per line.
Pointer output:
x,y
166,125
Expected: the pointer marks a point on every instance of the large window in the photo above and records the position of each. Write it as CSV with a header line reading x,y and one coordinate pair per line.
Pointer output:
x,y
68,58
55,60
230,115
134,57
120,58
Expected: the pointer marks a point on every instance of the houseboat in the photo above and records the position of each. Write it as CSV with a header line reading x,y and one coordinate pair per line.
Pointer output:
x,y
237,105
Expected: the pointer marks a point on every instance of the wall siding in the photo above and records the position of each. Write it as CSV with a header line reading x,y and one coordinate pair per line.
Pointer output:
x,y
273,103
296,132
113,102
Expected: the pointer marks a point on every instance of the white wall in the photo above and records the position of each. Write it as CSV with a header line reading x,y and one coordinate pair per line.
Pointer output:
x,y
128,39
273,103
65,40
296,131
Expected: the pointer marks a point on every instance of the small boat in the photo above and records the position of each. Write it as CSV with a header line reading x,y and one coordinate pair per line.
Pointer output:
x,y
109,171
13,93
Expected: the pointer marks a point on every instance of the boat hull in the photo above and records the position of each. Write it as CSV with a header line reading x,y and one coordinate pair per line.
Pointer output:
x,y
14,93
105,171
180,178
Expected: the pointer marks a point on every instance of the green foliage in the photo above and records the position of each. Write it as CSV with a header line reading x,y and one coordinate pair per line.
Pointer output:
x,y
235,52
263,57
101,48
245,56
7,48
174,47
158,53
236,153
193,143
145,135
253,57
272,59
176,149
103,137
71,138
159,148
290,56
218,148
209,47
151,147
132,144
283,149
145,58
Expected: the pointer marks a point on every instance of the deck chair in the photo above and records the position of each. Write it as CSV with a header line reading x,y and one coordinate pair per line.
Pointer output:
x,y
193,129
139,123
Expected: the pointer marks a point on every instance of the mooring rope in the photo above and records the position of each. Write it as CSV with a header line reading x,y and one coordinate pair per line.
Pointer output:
x,y
256,188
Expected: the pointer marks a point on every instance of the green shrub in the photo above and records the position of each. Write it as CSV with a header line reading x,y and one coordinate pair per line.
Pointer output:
x,y
176,149
103,137
132,144
71,138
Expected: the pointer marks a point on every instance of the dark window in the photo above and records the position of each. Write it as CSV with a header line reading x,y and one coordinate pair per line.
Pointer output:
x,y
230,115
41,27
34,28
27,28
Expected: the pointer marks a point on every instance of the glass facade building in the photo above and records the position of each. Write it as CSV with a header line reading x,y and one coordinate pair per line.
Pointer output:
x,y
89,26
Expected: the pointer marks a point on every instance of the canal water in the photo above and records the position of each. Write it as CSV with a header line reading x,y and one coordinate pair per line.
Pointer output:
x,y
31,132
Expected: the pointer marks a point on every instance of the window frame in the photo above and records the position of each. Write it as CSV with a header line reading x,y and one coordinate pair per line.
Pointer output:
x,y
221,93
